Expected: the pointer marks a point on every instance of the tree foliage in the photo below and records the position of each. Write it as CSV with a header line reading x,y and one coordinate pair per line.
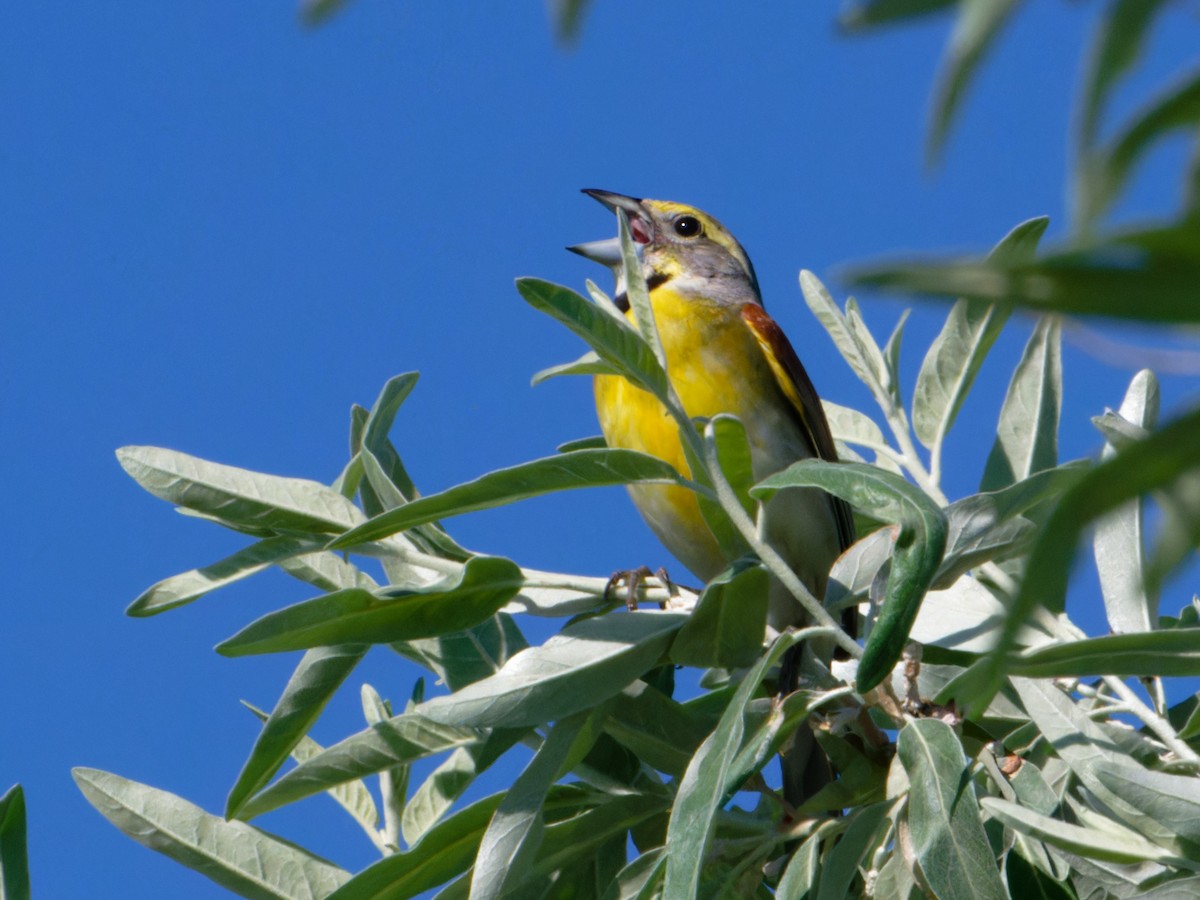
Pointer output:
x,y
986,746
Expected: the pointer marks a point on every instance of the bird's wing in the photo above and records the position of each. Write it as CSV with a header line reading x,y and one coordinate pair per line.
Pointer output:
x,y
796,386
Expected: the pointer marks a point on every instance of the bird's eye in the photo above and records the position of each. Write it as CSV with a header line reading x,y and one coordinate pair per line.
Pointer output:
x,y
688,226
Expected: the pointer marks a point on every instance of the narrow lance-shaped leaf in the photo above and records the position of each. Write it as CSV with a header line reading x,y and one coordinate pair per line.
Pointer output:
x,y
1118,544
237,856
919,546
397,741
588,661
14,857
978,25
318,675
513,836
704,785
472,596
1027,433
956,355
726,627
943,815
564,471
866,14
181,589
249,501
1139,468
1174,653
616,342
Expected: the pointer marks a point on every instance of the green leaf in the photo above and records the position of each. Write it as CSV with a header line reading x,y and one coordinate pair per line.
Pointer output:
x,y
561,472
460,601
1123,847
918,553
1114,51
637,292
978,25
181,589
14,856
464,657
1027,433
1118,543
868,366
660,731
316,12
802,870
956,355
726,436
1086,748
943,815
567,16
588,364
318,675
446,851
726,627
514,834
249,501
588,661
1026,881
1150,464
399,740
873,13
705,784
1107,171
383,413
1166,653
237,856
451,778
615,341
1171,800
841,866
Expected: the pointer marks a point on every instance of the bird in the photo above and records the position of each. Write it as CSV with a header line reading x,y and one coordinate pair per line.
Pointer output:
x,y
724,354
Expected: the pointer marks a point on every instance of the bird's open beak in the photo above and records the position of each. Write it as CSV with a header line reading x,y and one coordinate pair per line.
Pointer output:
x,y
608,252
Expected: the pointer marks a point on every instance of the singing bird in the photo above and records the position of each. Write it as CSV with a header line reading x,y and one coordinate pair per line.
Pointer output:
x,y
724,355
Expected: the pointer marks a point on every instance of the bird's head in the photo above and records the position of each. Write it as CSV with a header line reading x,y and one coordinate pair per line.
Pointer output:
x,y
677,243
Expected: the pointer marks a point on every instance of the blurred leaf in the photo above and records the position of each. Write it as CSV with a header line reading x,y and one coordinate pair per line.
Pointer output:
x,y
616,342
956,355
726,627
1027,433
14,855
704,785
919,546
568,17
460,601
1118,540
515,832
1172,800
247,500
316,12
1148,275
1106,171
1115,50
396,741
318,675
237,856
975,30
1153,463
561,472
866,14
1125,847
943,815
981,526
188,586
1166,653
588,661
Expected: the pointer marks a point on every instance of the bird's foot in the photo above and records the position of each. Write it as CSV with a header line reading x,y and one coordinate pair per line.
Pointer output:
x,y
632,580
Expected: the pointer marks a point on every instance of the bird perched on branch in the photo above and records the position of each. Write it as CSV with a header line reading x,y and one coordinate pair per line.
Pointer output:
x,y
724,354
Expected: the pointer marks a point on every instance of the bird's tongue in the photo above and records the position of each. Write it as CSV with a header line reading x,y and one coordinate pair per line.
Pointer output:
x,y
638,230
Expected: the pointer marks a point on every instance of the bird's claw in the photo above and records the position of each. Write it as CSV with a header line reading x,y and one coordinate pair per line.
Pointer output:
x,y
632,579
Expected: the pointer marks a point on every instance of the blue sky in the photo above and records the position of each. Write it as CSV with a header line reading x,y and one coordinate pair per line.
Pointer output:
x,y
222,229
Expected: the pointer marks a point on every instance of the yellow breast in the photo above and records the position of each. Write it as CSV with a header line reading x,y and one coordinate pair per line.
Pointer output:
x,y
716,366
